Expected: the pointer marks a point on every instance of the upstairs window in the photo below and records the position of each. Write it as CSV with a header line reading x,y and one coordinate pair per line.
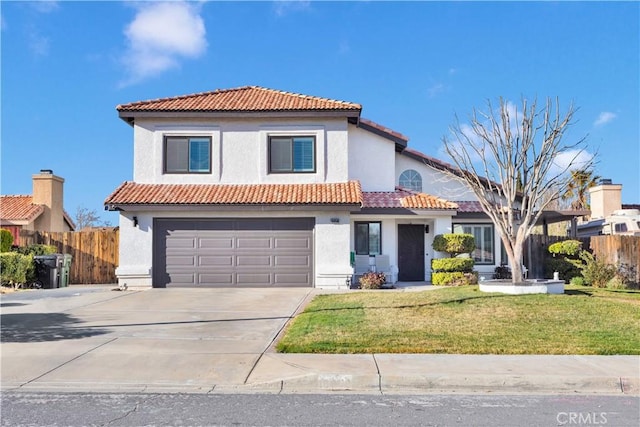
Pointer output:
x,y
411,180
292,154
187,154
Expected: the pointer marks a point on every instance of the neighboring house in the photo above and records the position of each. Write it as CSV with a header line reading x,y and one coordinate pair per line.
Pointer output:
x,y
608,214
42,211
258,187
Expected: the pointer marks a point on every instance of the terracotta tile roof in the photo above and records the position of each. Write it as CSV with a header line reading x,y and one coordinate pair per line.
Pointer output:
x,y
402,198
382,130
19,208
247,98
130,193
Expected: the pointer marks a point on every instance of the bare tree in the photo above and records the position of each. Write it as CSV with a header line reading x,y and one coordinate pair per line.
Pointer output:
x,y
510,159
86,217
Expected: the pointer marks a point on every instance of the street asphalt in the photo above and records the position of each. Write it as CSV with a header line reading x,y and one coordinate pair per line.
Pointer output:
x,y
98,339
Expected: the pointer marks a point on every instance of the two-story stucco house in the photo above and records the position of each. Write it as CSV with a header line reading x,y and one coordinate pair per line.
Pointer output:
x,y
259,187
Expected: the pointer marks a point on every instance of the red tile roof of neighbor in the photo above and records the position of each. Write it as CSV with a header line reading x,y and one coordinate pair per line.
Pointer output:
x,y
402,198
247,98
469,206
130,193
19,208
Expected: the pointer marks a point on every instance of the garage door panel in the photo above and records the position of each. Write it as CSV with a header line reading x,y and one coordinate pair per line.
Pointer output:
x,y
253,278
253,261
216,278
292,261
233,252
254,243
181,242
291,278
181,261
215,242
302,242
216,260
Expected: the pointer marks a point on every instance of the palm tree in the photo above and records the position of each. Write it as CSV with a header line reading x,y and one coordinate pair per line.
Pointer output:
x,y
578,188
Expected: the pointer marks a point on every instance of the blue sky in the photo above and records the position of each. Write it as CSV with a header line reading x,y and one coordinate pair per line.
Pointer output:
x,y
412,66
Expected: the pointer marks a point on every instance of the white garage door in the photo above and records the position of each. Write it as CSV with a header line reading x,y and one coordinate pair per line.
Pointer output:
x,y
252,252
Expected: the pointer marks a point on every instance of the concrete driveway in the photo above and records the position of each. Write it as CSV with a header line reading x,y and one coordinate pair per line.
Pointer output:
x,y
95,338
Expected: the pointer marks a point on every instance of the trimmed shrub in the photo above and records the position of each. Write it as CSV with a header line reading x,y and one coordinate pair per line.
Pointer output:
x,y
566,247
564,253
6,240
502,272
16,269
372,280
454,278
464,265
37,250
454,243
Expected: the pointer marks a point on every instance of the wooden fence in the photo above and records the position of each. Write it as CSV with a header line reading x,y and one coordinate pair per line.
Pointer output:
x,y
613,249
618,250
94,252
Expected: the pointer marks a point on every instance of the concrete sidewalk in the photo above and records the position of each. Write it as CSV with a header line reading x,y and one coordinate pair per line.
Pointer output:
x,y
221,341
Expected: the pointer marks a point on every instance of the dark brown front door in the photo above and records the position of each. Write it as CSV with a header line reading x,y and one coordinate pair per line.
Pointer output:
x,y
410,253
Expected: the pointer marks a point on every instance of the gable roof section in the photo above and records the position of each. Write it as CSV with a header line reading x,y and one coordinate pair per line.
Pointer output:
x,y
19,208
130,193
244,99
403,198
368,125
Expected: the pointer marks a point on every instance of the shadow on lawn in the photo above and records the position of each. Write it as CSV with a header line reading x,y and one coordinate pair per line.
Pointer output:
x,y
459,300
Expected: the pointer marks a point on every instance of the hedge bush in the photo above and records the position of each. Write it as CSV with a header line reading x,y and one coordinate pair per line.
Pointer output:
x,y
464,265
565,254
16,269
37,250
6,240
454,243
454,278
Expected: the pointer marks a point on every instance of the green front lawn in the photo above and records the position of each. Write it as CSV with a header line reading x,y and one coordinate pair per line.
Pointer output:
x,y
464,320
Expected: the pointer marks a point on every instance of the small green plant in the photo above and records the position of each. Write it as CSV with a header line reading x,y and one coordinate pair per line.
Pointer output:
x,y
372,280
6,240
16,269
577,281
595,272
454,244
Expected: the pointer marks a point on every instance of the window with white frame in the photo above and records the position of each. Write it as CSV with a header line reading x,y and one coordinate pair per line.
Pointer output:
x,y
368,238
484,239
187,154
410,179
292,154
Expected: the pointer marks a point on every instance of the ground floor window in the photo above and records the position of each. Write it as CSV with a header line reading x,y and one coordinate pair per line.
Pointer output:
x,y
368,238
483,235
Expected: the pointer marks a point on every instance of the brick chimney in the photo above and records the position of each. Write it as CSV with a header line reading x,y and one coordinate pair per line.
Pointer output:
x,y
48,192
605,198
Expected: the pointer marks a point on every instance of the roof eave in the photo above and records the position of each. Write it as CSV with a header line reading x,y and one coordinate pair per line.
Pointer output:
x,y
130,116
154,207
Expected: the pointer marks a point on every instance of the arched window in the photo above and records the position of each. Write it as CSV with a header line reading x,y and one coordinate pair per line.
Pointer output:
x,y
410,179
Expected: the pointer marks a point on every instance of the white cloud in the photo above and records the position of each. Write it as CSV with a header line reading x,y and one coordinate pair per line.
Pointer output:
x,y
436,89
570,160
160,35
284,7
38,44
604,118
44,6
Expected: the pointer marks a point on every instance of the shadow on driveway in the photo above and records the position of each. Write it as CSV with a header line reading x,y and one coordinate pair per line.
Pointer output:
x,y
40,327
